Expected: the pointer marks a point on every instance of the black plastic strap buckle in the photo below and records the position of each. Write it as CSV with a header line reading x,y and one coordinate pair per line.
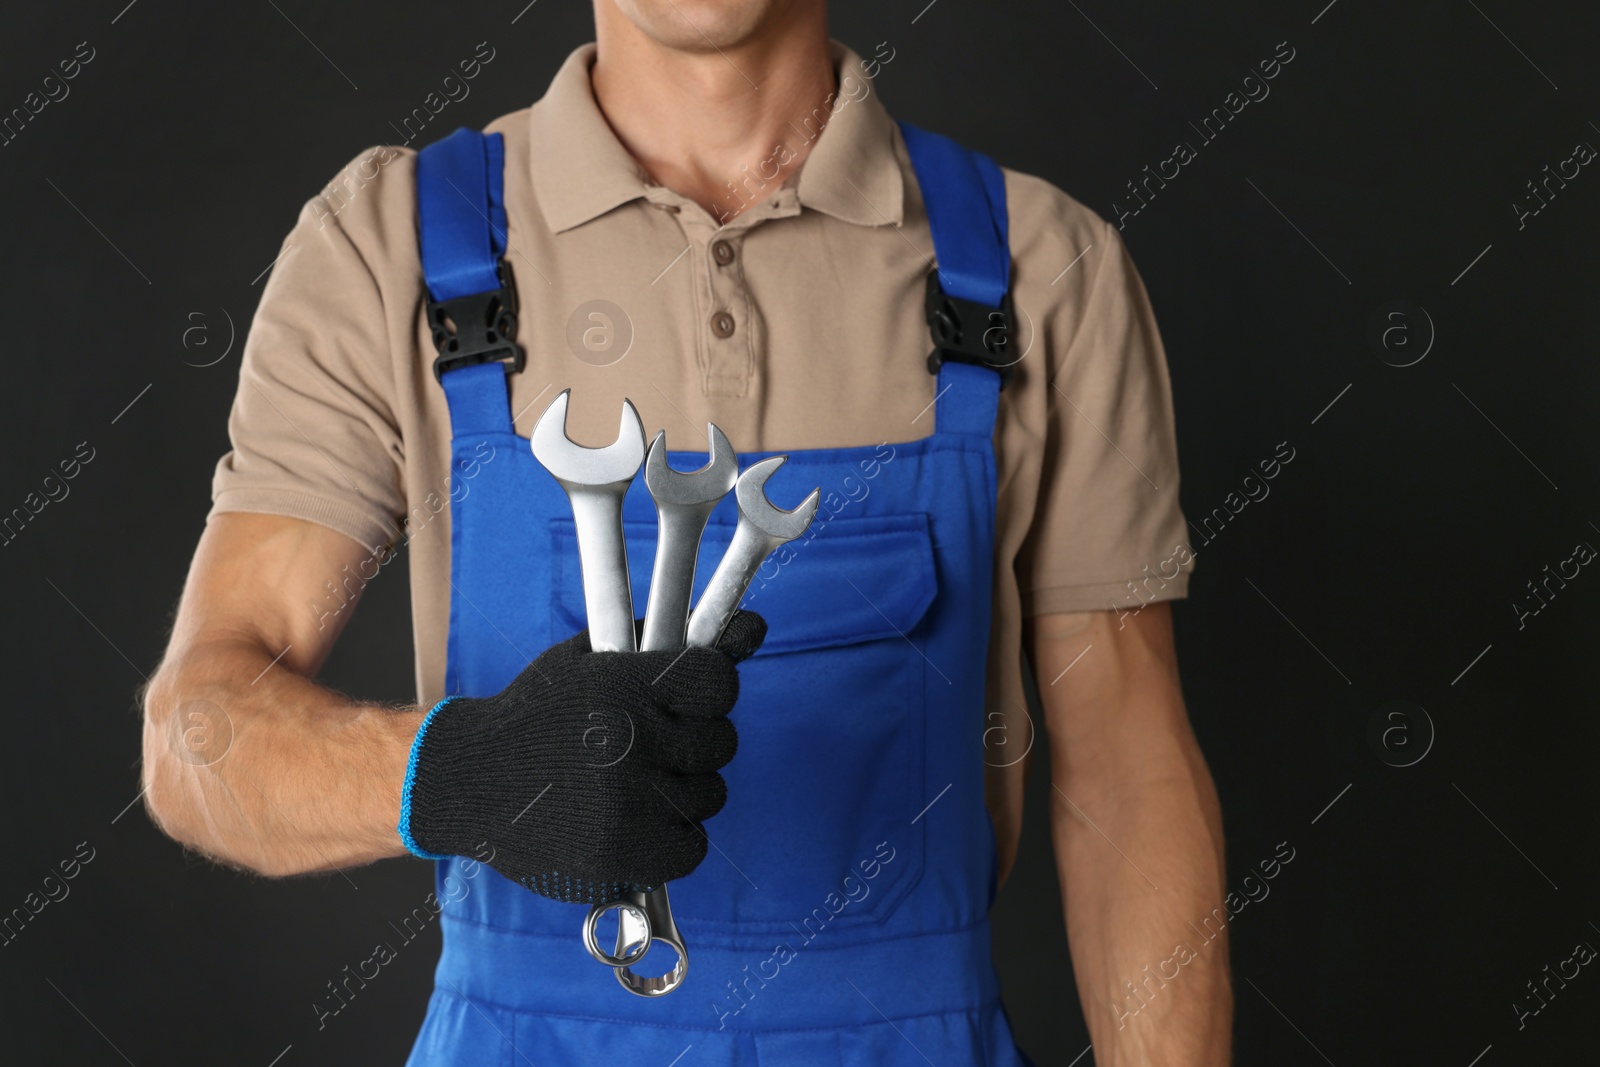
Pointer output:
x,y
477,328
969,332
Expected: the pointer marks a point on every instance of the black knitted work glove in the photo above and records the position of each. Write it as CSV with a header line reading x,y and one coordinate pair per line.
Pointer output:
x,y
587,775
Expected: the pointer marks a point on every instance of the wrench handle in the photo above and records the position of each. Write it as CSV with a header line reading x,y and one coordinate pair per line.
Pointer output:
x,y
666,616
728,584
645,918
603,556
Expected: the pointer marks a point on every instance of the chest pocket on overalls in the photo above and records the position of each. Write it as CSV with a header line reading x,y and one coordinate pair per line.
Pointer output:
x,y
817,837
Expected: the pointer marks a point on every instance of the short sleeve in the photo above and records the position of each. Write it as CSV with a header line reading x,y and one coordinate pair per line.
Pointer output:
x,y
313,428
1108,532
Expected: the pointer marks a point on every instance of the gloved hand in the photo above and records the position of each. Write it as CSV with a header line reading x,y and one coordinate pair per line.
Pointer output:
x,y
587,775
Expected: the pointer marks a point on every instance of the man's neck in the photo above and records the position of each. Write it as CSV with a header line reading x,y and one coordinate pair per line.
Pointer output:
x,y
696,120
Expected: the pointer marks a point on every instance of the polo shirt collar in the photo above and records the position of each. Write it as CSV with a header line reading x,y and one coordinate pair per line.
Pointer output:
x,y
581,171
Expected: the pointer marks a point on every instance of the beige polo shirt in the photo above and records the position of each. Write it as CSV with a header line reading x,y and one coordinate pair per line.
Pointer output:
x,y
796,325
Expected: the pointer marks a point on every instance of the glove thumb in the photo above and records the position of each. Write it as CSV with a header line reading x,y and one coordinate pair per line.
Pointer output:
x,y
743,635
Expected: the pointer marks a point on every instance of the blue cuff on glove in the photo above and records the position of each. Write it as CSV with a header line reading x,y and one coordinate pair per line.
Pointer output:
x,y
405,790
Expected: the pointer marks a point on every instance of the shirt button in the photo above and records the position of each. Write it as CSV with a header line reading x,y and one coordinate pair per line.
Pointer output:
x,y
673,208
722,324
722,252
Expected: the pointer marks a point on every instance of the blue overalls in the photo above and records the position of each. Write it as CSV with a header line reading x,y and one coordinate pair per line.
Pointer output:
x,y
841,916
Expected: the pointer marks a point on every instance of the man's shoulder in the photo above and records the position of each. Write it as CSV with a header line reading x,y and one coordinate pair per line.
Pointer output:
x,y
377,187
368,197
1043,219
513,125
1051,229
1032,199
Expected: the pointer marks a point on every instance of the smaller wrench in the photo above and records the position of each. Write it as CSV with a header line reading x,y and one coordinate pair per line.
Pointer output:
x,y
763,526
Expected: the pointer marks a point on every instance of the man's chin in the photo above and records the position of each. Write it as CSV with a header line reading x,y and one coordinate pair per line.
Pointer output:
x,y
701,25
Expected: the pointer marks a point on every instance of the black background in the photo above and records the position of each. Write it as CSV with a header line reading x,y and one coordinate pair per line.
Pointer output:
x,y
1382,567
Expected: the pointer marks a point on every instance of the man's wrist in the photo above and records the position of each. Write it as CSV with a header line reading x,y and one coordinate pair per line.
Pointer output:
x,y
406,827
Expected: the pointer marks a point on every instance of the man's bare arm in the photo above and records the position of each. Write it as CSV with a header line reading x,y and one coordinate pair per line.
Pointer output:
x,y
1138,837
245,758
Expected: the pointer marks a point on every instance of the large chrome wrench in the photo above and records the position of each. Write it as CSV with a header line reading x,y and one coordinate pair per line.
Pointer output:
x,y
763,527
684,501
595,481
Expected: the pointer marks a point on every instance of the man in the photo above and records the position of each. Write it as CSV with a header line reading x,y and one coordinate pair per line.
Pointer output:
x,y
711,212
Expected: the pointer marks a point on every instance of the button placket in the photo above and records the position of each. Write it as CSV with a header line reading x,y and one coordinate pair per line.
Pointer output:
x,y
729,346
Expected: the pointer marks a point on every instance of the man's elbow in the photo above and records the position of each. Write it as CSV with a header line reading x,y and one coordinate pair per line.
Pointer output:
x,y
178,810
173,800
178,748
161,786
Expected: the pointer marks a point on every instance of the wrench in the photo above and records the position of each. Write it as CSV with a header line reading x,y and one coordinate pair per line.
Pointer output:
x,y
684,501
763,527
595,480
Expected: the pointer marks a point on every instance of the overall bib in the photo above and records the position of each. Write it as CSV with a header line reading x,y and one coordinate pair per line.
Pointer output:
x,y
841,914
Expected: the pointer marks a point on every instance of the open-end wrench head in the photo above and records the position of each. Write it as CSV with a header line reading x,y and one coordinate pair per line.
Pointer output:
x,y
691,488
763,514
573,464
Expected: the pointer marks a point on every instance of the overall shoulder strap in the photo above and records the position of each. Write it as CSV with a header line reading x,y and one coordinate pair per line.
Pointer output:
x,y
461,217
968,295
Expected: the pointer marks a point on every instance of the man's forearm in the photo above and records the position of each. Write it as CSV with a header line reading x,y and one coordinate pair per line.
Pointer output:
x,y
1138,834
257,766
